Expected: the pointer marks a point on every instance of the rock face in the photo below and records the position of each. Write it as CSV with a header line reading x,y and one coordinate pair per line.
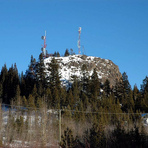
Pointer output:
x,y
71,65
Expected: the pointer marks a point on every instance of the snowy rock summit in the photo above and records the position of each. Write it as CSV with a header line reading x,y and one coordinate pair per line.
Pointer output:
x,y
72,66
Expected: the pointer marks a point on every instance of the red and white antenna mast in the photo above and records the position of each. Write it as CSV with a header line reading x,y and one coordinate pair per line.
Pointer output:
x,y
79,39
44,46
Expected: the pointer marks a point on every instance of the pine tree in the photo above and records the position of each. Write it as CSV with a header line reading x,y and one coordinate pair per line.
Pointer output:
x,y
68,113
22,84
135,92
76,114
58,54
118,90
95,85
31,102
141,102
4,82
34,91
126,84
75,90
84,98
40,71
97,136
55,99
18,98
106,88
70,99
63,94
31,71
72,52
85,79
55,54
49,97
11,83
127,101
39,102
66,53
24,101
1,92
144,102
81,113
54,77
3,73
137,97
27,86
144,86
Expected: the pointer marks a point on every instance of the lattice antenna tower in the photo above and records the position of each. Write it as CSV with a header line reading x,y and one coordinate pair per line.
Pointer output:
x,y
44,46
79,46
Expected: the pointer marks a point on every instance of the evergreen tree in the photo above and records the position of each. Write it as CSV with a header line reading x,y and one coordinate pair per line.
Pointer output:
x,y
1,92
24,101
39,102
137,98
126,84
127,101
76,115
63,94
97,136
81,113
31,71
58,54
48,97
11,83
54,77
40,71
118,90
66,53
70,99
106,88
4,83
56,99
31,102
72,52
75,90
144,102
135,92
18,98
55,54
84,98
22,84
85,79
95,85
41,89
144,86
68,113
33,61
27,86
3,73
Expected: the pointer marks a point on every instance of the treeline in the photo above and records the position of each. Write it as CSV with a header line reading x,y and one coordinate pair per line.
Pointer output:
x,y
85,93
86,100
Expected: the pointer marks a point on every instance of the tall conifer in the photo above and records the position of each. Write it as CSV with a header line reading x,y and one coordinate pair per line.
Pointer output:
x,y
54,77
40,71
95,84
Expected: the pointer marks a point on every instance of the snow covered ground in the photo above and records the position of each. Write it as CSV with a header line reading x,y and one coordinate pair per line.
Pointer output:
x,y
71,65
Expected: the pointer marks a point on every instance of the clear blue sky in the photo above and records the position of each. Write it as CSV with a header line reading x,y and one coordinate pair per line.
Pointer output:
x,y
111,29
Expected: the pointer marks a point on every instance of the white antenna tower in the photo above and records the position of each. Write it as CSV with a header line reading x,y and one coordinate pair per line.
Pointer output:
x,y
79,40
44,46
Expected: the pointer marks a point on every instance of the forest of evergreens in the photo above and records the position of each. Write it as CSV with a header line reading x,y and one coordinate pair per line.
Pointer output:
x,y
108,118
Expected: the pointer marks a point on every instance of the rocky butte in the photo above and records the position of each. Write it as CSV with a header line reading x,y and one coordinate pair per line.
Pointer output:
x,y
72,66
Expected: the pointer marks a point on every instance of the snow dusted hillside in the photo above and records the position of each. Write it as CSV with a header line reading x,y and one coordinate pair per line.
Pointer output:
x,y
71,66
